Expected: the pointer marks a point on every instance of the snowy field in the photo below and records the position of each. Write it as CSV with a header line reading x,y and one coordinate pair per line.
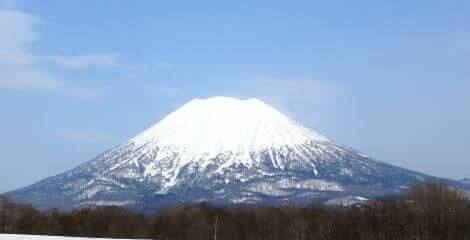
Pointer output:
x,y
34,237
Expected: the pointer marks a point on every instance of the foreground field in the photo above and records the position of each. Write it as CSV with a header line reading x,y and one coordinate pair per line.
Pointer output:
x,y
37,237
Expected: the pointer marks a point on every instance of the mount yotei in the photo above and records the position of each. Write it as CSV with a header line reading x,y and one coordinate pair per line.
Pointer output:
x,y
221,150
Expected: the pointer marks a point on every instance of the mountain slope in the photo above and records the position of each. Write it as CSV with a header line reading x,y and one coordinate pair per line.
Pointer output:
x,y
221,150
465,181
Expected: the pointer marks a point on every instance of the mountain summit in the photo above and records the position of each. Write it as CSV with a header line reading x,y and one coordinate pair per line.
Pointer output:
x,y
221,150
222,124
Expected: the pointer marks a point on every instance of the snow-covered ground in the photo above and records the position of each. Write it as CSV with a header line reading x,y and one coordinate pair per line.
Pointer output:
x,y
34,237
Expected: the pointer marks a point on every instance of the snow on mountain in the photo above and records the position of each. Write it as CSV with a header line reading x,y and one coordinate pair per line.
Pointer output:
x,y
225,124
465,181
202,130
347,201
222,150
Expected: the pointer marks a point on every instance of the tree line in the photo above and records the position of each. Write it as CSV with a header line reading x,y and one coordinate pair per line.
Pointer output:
x,y
431,211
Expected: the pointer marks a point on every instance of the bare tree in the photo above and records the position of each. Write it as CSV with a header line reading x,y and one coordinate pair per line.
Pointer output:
x,y
6,208
428,212
299,228
436,205
216,214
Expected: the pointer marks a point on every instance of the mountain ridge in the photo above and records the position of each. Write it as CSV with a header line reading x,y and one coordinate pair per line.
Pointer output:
x,y
222,150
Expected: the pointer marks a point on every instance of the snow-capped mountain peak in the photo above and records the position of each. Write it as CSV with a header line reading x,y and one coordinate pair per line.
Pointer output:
x,y
223,124
222,150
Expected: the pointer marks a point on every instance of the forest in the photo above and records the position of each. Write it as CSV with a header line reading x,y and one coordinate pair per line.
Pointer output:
x,y
432,211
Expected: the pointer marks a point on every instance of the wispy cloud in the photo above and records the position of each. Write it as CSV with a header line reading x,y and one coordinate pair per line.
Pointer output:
x,y
86,60
17,32
34,79
83,135
19,67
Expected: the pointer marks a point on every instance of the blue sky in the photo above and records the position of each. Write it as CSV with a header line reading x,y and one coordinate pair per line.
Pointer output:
x,y
390,78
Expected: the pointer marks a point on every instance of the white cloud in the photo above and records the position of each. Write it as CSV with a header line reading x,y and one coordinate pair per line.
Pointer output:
x,y
86,60
82,135
19,67
17,31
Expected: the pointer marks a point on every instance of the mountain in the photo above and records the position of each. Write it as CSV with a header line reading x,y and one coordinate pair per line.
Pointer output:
x,y
465,181
221,150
